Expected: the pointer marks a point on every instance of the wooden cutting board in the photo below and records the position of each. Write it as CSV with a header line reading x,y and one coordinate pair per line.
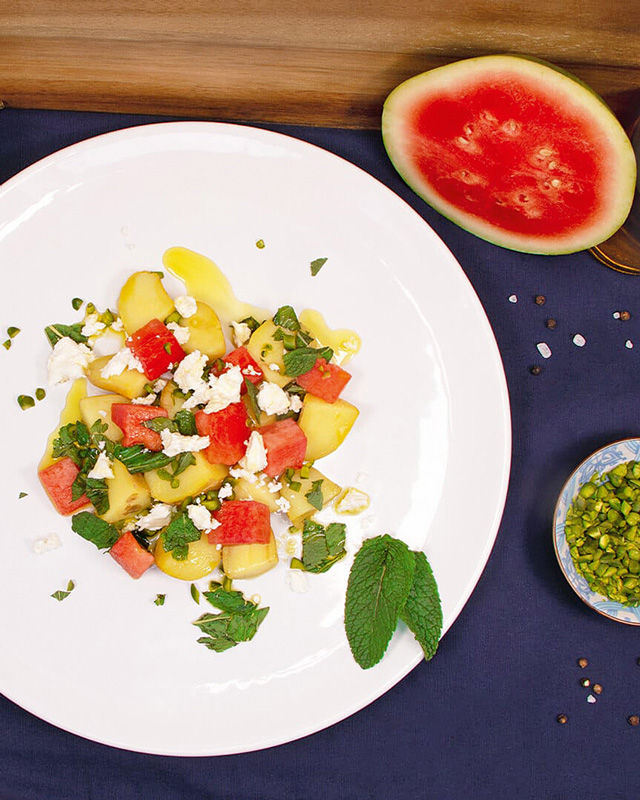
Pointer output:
x,y
319,62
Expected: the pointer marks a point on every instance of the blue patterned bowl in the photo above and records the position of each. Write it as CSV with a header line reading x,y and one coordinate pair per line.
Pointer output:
x,y
601,461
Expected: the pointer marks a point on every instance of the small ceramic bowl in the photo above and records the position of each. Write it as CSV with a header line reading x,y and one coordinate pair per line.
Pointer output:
x,y
601,461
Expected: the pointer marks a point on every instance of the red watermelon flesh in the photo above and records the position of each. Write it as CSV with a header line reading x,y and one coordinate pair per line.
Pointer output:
x,y
513,150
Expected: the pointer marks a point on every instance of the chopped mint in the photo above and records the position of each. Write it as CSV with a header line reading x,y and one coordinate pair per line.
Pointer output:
x,y
160,598
61,594
316,265
314,495
76,303
238,620
322,546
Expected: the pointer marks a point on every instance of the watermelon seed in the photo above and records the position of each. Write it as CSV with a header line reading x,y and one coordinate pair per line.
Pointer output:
x,y
552,165
555,183
511,126
544,152
468,130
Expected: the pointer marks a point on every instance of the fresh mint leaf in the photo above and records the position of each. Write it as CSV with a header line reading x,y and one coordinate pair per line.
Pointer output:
x,y
185,422
160,598
285,317
158,424
238,620
379,583
96,530
314,495
195,593
303,359
178,534
252,395
137,458
422,612
316,265
322,547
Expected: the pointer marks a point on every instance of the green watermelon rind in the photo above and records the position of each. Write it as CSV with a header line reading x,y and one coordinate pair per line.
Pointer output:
x,y
597,112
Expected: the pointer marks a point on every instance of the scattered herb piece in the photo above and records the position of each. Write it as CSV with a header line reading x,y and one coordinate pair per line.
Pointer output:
x,y
177,536
160,598
61,594
25,401
285,317
56,332
40,394
252,397
251,322
314,495
238,620
321,547
13,332
316,265
76,303
303,359
21,495
96,530
260,244
137,458
195,593
7,344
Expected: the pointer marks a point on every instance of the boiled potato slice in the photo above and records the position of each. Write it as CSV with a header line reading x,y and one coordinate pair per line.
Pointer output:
x,y
203,558
129,383
259,491
300,506
143,298
128,494
70,413
266,350
205,333
325,424
98,408
199,477
249,560
171,401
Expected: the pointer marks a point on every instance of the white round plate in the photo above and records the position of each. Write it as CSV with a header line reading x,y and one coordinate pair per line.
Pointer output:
x,y
598,463
432,445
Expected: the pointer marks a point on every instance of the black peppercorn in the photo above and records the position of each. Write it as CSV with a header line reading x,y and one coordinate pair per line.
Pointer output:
x,y
551,323
634,720
536,369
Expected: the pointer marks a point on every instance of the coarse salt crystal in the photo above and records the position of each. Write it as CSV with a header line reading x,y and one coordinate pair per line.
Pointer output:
x,y
513,298
616,315
544,349
579,340
628,344
591,698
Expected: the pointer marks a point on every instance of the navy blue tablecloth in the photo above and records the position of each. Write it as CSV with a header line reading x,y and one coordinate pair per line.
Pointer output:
x,y
480,720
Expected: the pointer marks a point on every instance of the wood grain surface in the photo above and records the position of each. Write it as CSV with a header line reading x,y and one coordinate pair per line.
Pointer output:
x,y
329,62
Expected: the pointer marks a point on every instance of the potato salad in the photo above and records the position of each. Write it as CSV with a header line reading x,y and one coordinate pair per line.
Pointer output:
x,y
183,433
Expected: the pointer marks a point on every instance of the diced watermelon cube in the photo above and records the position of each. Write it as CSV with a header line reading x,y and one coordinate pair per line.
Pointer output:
x,y
286,445
57,480
228,433
131,555
157,349
129,418
241,522
324,380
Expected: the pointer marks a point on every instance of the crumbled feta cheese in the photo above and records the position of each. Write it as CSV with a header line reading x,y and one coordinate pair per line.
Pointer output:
x,y
352,501
107,343
188,374
117,325
226,490
102,468
255,457
251,372
185,306
47,543
159,385
175,443
92,325
579,340
68,361
158,517
218,392
201,517
122,360
297,580
295,402
240,333
274,367
544,349
272,399
147,400
181,332
283,504
238,472
274,486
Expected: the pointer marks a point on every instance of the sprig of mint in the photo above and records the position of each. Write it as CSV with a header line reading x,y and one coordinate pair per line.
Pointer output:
x,y
388,582
238,620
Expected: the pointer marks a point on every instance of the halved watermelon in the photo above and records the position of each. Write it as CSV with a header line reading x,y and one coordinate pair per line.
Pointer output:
x,y
514,150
